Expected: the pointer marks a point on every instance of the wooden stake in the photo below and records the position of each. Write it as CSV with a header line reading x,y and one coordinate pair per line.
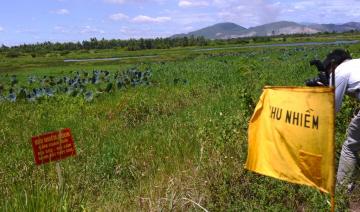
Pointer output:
x,y
61,181
58,168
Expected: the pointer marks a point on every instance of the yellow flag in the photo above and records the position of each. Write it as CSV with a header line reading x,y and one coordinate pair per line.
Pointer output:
x,y
291,136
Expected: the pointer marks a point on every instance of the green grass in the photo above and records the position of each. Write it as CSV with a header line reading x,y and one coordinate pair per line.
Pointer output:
x,y
163,147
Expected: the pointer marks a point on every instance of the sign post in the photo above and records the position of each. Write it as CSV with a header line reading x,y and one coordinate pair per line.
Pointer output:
x,y
54,146
61,181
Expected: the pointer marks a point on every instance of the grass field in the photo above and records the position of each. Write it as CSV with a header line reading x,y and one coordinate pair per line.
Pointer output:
x,y
166,146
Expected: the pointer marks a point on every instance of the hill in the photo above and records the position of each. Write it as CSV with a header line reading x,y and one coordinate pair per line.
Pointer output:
x,y
231,30
218,31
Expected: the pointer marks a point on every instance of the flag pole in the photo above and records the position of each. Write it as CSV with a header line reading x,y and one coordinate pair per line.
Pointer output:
x,y
334,115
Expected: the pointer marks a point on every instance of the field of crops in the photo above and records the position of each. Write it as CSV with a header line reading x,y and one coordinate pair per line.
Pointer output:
x,y
166,133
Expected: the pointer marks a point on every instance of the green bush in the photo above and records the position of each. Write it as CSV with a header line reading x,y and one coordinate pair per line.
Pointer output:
x,y
13,54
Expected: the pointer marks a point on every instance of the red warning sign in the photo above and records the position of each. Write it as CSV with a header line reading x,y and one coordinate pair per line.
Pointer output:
x,y
53,146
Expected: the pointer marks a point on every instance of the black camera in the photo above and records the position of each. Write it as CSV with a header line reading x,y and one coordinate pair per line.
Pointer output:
x,y
323,76
332,60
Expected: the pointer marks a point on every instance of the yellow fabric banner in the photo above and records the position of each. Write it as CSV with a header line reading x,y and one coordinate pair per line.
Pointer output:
x,y
291,136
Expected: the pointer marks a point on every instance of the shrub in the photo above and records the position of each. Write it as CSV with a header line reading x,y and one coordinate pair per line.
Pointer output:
x,y
13,54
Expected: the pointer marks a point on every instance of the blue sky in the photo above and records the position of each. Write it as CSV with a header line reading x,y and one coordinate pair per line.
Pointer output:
x,y
31,21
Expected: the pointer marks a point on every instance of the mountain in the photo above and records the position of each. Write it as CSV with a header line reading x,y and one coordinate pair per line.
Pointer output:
x,y
230,30
217,31
281,27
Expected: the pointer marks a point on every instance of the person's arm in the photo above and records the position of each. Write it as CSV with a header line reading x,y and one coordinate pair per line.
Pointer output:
x,y
340,88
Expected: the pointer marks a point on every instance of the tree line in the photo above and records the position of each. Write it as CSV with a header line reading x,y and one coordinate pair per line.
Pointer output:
x,y
94,43
130,45
142,44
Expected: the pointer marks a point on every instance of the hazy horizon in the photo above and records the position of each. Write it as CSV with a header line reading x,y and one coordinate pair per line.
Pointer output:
x,y
65,20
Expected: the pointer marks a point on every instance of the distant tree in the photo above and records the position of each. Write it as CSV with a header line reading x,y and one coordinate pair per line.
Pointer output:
x,y
44,48
3,47
13,54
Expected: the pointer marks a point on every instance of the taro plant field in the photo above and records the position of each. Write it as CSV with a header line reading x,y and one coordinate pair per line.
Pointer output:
x,y
167,133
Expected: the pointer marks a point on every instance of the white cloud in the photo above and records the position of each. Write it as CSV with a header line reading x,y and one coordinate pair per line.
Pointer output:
x,y
300,5
115,1
91,30
147,32
189,28
147,19
1,29
118,17
134,33
195,18
256,12
322,11
27,31
61,11
247,13
134,1
76,30
61,29
192,3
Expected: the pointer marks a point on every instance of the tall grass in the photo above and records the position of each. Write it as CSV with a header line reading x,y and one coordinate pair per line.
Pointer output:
x,y
165,147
